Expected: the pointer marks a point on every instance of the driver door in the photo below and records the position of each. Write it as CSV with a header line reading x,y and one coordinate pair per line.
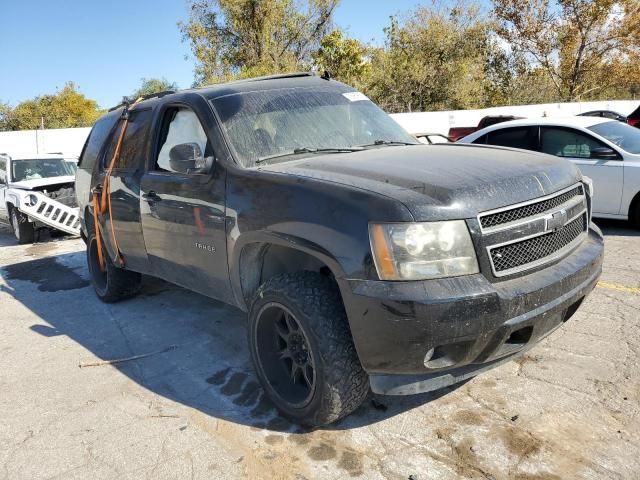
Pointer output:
x,y
183,212
607,174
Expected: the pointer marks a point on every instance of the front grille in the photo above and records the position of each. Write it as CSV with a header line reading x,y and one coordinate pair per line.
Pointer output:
x,y
529,251
507,216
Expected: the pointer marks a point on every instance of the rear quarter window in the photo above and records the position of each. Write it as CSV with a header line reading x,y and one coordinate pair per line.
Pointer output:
x,y
95,141
133,149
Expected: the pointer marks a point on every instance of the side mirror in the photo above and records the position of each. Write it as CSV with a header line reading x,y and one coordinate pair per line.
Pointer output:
x,y
604,153
188,158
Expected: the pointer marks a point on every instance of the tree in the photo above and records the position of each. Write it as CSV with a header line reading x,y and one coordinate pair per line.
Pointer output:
x,y
243,38
345,59
586,48
438,59
65,109
153,85
5,115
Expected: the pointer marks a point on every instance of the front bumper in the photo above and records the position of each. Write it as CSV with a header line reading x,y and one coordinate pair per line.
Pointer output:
x,y
418,336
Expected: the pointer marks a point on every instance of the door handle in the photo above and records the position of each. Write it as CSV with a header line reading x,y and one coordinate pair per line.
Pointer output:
x,y
151,196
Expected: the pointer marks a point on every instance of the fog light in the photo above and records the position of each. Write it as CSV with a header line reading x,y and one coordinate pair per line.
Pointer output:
x,y
31,200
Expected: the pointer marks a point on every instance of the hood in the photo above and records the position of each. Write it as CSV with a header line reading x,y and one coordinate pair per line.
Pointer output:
x,y
442,182
38,183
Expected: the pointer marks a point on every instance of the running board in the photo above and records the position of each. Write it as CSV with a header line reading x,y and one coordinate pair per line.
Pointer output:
x,y
51,212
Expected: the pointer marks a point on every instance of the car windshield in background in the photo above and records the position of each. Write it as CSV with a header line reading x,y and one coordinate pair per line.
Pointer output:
x,y
623,135
40,168
276,125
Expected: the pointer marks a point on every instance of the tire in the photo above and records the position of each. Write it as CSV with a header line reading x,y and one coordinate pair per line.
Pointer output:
x,y
634,214
113,284
336,384
22,228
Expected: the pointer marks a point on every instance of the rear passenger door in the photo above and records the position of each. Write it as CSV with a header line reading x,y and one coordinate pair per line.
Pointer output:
x,y
578,146
183,212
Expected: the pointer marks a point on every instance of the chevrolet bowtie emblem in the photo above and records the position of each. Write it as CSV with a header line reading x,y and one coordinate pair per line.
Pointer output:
x,y
556,220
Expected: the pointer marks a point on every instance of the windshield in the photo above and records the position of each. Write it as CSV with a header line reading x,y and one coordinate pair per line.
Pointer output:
x,y
271,124
623,135
40,168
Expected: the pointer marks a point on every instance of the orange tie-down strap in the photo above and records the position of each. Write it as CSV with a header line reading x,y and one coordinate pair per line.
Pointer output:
x,y
102,201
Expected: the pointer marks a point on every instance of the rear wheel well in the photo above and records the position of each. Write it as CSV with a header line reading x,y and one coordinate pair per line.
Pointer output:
x,y
261,261
634,210
88,221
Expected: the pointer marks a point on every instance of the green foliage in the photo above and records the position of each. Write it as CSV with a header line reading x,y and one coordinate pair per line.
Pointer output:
x,y
437,59
65,109
345,59
245,38
149,86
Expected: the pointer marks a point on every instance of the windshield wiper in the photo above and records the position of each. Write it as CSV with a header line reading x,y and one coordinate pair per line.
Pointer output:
x,y
300,150
387,142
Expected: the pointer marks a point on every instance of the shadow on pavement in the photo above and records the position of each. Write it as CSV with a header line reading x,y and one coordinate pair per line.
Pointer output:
x,y
208,367
617,228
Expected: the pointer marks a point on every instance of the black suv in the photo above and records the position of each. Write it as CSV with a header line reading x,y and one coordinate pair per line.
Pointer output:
x,y
363,258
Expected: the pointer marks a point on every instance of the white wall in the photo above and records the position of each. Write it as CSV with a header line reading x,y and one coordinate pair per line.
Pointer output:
x,y
441,122
68,141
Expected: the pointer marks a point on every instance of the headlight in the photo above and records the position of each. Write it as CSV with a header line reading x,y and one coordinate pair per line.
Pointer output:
x,y
419,251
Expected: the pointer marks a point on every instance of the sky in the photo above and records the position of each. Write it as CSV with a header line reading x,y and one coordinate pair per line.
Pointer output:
x,y
106,48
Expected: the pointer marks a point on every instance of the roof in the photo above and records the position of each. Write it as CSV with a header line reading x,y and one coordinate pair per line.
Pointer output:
x,y
42,156
270,82
583,122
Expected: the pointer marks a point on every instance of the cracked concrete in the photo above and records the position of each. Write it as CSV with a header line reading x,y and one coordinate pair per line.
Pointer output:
x,y
569,408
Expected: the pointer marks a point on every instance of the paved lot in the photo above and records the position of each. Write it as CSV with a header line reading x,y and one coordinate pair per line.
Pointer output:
x,y
568,409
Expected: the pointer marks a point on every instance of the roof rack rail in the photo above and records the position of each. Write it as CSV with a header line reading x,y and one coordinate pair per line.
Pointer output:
x,y
126,101
265,77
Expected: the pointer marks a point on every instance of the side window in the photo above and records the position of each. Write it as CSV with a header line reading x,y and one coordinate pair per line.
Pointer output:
x,y
133,144
94,143
565,142
481,140
517,137
181,127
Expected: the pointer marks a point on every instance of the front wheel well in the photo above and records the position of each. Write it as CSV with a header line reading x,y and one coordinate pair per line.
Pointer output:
x,y
634,210
261,261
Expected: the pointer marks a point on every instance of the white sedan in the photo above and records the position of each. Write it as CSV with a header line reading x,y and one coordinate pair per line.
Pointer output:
x,y
606,150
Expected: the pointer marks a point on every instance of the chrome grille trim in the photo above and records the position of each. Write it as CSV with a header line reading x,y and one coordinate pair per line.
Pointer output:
x,y
526,230
579,187
542,260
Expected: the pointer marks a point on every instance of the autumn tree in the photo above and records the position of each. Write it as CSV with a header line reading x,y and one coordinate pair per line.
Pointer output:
x,y
245,38
149,86
436,60
64,109
345,59
586,48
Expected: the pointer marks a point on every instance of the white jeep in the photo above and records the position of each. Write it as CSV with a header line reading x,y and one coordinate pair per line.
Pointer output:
x,y
38,192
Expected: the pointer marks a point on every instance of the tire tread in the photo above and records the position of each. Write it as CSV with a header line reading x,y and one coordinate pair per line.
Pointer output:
x,y
319,298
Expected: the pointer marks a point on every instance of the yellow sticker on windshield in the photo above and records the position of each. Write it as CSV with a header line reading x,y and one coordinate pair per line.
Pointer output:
x,y
355,96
